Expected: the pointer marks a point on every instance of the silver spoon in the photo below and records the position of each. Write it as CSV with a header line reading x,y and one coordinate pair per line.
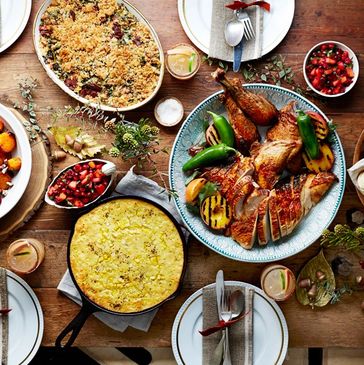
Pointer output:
x,y
234,31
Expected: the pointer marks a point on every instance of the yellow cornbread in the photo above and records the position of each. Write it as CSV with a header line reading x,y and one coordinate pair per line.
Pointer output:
x,y
126,255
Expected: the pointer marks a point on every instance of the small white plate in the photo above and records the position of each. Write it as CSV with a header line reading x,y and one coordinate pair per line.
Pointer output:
x,y
270,329
22,150
14,18
195,17
25,321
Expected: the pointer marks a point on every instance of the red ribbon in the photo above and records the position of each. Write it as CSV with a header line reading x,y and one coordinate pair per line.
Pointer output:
x,y
5,311
236,5
221,324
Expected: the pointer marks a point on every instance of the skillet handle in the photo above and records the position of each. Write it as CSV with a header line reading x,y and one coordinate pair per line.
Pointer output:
x,y
74,327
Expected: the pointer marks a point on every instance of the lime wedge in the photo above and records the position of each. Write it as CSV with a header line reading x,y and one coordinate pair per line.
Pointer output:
x,y
190,62
283,280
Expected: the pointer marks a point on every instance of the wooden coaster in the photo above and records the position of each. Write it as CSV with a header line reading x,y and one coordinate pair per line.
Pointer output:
x,y
34,193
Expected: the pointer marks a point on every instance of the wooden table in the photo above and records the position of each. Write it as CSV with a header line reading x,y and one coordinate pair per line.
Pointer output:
x,y
339,325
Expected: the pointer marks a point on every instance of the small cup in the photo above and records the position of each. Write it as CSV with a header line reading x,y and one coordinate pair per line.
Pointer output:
x,y
271,282
160,119
172,55
25,255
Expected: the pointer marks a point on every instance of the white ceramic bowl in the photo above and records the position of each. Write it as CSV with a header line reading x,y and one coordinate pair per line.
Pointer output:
x,y
23,150
351,55
65,88
108,164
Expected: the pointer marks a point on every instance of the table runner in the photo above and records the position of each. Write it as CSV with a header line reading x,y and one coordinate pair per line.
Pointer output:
x,y
4,323
140,186
240,334
220,16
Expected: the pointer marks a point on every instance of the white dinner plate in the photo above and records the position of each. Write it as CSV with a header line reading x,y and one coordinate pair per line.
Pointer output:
x,y
23,150
270,330
25,321
195,17
14,18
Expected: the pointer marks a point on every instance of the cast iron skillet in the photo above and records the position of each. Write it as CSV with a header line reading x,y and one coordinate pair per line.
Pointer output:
x,y
88,306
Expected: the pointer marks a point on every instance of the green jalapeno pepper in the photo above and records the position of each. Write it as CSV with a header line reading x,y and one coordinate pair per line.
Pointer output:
x,y
224,129
209,156
308,135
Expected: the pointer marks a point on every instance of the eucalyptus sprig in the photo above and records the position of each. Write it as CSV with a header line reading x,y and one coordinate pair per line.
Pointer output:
x,y
26,88
344,237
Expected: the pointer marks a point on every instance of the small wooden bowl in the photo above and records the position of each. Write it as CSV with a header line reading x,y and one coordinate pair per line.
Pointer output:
x,y
358,155
158,118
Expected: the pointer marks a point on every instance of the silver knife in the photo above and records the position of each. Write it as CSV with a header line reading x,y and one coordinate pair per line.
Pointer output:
x,y
238,51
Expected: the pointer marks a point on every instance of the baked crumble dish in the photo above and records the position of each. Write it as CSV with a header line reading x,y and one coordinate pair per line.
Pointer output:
x,y
126,255
101,51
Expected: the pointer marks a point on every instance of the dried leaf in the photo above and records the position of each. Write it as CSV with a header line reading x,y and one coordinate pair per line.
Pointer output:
x,y
90,146
324,292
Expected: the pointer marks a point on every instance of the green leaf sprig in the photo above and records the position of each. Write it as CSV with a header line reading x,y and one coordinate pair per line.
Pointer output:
x,y
344,237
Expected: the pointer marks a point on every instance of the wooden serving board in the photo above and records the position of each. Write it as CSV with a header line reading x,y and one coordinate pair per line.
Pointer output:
x,y
34,193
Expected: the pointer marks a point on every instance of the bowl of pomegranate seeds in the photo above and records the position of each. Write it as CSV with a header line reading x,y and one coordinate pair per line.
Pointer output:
x,y
331,69
80,184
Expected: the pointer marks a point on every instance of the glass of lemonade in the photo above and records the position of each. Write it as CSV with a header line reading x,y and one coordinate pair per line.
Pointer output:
x,y
278,282
183,61
25,255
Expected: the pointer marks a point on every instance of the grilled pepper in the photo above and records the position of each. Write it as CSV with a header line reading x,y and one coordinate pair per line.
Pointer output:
x,y
308,135
224,129
209,156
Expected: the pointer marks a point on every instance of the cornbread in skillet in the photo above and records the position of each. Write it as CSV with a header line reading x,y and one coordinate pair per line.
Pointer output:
x,y
126,255
100,51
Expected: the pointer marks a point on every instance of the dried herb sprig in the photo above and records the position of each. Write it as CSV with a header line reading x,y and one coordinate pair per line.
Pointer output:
x,y
26,88
215,62
86,116
345,237
273,70
338,293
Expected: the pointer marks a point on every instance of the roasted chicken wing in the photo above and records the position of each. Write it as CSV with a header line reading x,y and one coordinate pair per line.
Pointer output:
x,y
270,159
286,129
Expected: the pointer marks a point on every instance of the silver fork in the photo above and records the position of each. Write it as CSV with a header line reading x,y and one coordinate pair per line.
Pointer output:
x,y
226,315
244,18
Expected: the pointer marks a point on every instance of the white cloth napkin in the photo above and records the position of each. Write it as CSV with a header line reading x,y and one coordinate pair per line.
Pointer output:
x,y
354,172
140,186
218,47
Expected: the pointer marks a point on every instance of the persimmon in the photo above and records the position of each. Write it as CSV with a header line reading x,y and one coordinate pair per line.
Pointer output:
x,y
7,142
14,164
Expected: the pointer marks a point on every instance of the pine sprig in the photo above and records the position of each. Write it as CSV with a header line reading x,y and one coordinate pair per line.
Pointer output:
x,y
343,236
